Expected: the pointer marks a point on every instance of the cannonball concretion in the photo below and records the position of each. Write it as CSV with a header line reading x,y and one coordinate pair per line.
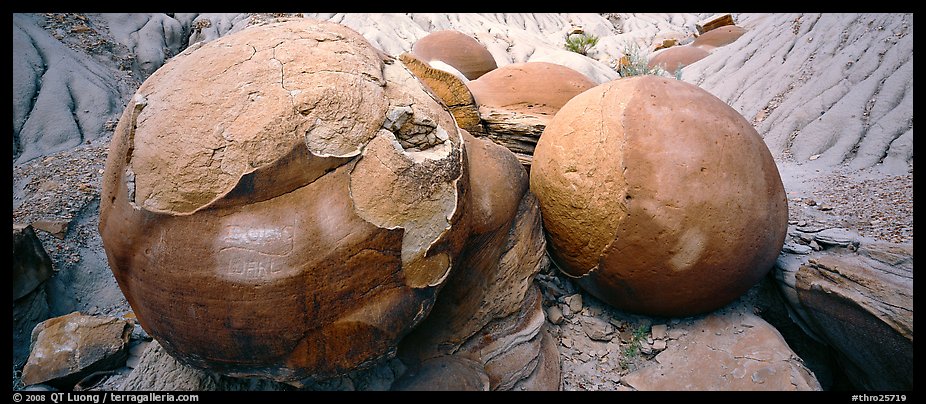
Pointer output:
x,y
282,202
658,197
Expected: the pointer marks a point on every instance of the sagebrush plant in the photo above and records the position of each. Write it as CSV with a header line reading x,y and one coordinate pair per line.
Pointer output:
x,y
638,64
580,43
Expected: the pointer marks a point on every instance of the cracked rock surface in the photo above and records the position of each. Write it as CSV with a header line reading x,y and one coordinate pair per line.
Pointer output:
x,y
268,149
621,174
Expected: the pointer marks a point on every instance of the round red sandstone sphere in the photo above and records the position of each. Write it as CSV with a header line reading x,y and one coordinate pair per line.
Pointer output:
x,y
677,57
540,87
282,203
456,49
658,197
718,37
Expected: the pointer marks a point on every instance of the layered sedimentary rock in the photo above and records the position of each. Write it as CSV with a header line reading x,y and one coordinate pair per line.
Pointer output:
x,y
244,193
489,310
450,89
657,197
823,89
517,101
856,296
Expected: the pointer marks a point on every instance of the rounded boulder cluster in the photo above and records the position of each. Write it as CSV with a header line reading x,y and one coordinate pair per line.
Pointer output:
x,y
657,197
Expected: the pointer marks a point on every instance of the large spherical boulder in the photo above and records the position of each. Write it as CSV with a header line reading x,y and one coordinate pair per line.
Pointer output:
x,y
456,49
718,37
658,197
677,57
282,203
537,87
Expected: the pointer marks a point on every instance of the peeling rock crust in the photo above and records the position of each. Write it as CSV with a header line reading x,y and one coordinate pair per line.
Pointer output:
x,y
273,150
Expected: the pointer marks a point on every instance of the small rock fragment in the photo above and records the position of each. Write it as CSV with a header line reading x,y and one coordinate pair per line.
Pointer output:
x,y
597,329
574,302
555,315
57,228
795,248
659,331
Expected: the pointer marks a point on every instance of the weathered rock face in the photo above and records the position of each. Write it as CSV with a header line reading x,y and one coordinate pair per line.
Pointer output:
x,y
460,51
621,173
713,22
61,98
677,57
445,373
517,101
158,371
823,103
450,89
858,302
31,268
718,37
517,131
729,350
244,193
490,294
31,264
68,348
536,87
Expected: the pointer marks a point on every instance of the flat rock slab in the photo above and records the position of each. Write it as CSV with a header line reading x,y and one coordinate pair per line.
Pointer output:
x,y
68,348
731,349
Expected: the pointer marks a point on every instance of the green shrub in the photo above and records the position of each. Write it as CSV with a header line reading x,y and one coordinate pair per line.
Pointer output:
x,y
637,64
580,43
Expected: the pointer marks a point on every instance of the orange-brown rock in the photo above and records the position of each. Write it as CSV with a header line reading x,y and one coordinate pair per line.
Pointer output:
x,y
657,197
677,57
281,203
713,22
450,89
460,51
530,87
665,43
67,348
490,295
718,37
516,101
445,373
